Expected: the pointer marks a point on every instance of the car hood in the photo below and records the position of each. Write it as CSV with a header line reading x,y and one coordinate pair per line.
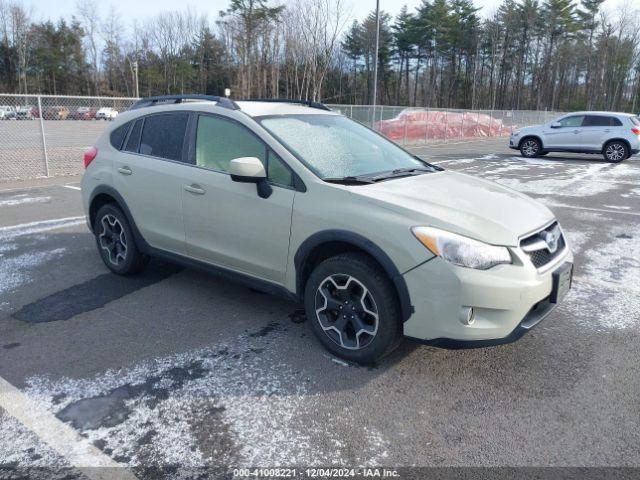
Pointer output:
x,y
462,204
529,129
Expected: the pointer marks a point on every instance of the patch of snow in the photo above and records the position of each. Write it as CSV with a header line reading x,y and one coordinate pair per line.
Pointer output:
x,y
22,448
576,181
606,291
14,271
22,200
246,408
635,192
576,240
31,228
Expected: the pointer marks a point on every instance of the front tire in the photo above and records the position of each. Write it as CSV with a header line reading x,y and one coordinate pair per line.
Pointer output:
x,y
530,147
615,151
353,308
115,241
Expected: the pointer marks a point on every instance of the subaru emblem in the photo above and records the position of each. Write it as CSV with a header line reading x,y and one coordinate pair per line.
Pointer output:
x,y
551,239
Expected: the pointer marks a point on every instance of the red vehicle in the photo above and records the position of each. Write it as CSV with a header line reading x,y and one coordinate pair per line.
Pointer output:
x,y
84,113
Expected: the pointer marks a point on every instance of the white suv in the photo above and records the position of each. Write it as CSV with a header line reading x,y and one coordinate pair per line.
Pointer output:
x,y
7,112
106,113
293,198
616,136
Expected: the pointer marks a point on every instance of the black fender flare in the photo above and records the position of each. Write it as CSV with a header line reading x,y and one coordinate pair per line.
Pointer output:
x,y
141,243
363,243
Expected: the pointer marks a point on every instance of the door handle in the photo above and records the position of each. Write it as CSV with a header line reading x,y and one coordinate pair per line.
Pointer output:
x,y
576,131
607,130
125,170
195,189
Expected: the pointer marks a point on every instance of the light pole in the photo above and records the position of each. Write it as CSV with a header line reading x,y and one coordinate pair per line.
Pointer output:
x,y
135,73
375,61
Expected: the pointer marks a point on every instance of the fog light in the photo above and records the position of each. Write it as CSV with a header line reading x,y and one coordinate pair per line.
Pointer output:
x,y
467,316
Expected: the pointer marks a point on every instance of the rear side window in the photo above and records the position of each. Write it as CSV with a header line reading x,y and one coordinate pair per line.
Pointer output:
x,y
601,121
133,142
163,135
118,135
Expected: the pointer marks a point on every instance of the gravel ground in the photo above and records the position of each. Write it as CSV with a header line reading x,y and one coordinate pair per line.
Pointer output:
x,y
176,368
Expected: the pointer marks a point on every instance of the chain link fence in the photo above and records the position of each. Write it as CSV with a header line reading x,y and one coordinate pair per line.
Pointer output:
x,y
422,126
46,136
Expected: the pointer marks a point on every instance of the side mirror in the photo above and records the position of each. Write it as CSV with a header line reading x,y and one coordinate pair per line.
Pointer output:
x,y
250,170
556,125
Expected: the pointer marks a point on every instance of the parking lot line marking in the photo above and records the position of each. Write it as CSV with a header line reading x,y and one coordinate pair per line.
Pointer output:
x,y
67,442
40,226
72,187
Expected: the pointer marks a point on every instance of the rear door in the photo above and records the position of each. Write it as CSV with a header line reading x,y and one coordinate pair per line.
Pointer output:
x,y
597,129
227,223
149,173
567,136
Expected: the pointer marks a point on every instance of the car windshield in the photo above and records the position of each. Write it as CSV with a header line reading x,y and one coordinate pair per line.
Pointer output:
x,y
334,147
635,120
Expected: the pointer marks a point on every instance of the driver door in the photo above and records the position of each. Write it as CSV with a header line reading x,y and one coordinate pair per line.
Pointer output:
x,y
568,135
226,223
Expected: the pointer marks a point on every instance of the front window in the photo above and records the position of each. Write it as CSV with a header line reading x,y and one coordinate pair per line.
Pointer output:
x,y
333,146
574,121
218,141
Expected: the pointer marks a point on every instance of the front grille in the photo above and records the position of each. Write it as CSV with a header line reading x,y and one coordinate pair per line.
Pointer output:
x,y
543,256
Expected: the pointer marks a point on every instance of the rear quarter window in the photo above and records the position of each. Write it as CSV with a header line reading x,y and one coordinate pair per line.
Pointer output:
x,y
118,135
133,142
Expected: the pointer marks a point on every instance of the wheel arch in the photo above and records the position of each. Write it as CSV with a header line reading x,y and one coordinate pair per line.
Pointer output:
x,y
328,243
531,135
617,139
103,195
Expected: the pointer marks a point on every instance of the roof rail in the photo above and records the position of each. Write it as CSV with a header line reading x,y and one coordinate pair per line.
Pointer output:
x,y
164,99
308,103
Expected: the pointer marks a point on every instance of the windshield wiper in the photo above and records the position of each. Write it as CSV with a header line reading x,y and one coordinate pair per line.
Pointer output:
x,y
349,180
401,172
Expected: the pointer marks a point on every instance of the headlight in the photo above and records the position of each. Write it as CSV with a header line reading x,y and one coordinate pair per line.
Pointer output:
x,y
460,250
515,133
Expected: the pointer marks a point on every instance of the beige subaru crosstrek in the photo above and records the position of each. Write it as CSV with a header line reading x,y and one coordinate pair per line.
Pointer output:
x,y
293,198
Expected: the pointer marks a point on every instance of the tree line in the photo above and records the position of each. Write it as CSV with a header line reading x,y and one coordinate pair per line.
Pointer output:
x,y
528,54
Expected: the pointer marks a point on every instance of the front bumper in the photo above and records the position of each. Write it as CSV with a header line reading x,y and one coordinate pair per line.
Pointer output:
x,y
508,300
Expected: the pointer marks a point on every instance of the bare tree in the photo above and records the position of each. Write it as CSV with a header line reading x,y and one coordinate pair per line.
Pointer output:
x,y
89,15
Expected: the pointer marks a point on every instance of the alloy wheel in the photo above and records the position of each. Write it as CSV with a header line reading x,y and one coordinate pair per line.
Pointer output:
x,y
615,152
113,239
530,148
346,311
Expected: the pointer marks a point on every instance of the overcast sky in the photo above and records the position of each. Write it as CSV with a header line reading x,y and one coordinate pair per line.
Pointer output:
x,y
129,9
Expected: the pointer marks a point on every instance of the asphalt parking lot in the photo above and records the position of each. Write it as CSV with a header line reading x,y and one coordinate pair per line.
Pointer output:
x,y
175,367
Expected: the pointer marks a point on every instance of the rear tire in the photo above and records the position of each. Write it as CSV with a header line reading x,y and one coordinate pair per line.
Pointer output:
x,y
530,147
615,151
115,241
353,308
